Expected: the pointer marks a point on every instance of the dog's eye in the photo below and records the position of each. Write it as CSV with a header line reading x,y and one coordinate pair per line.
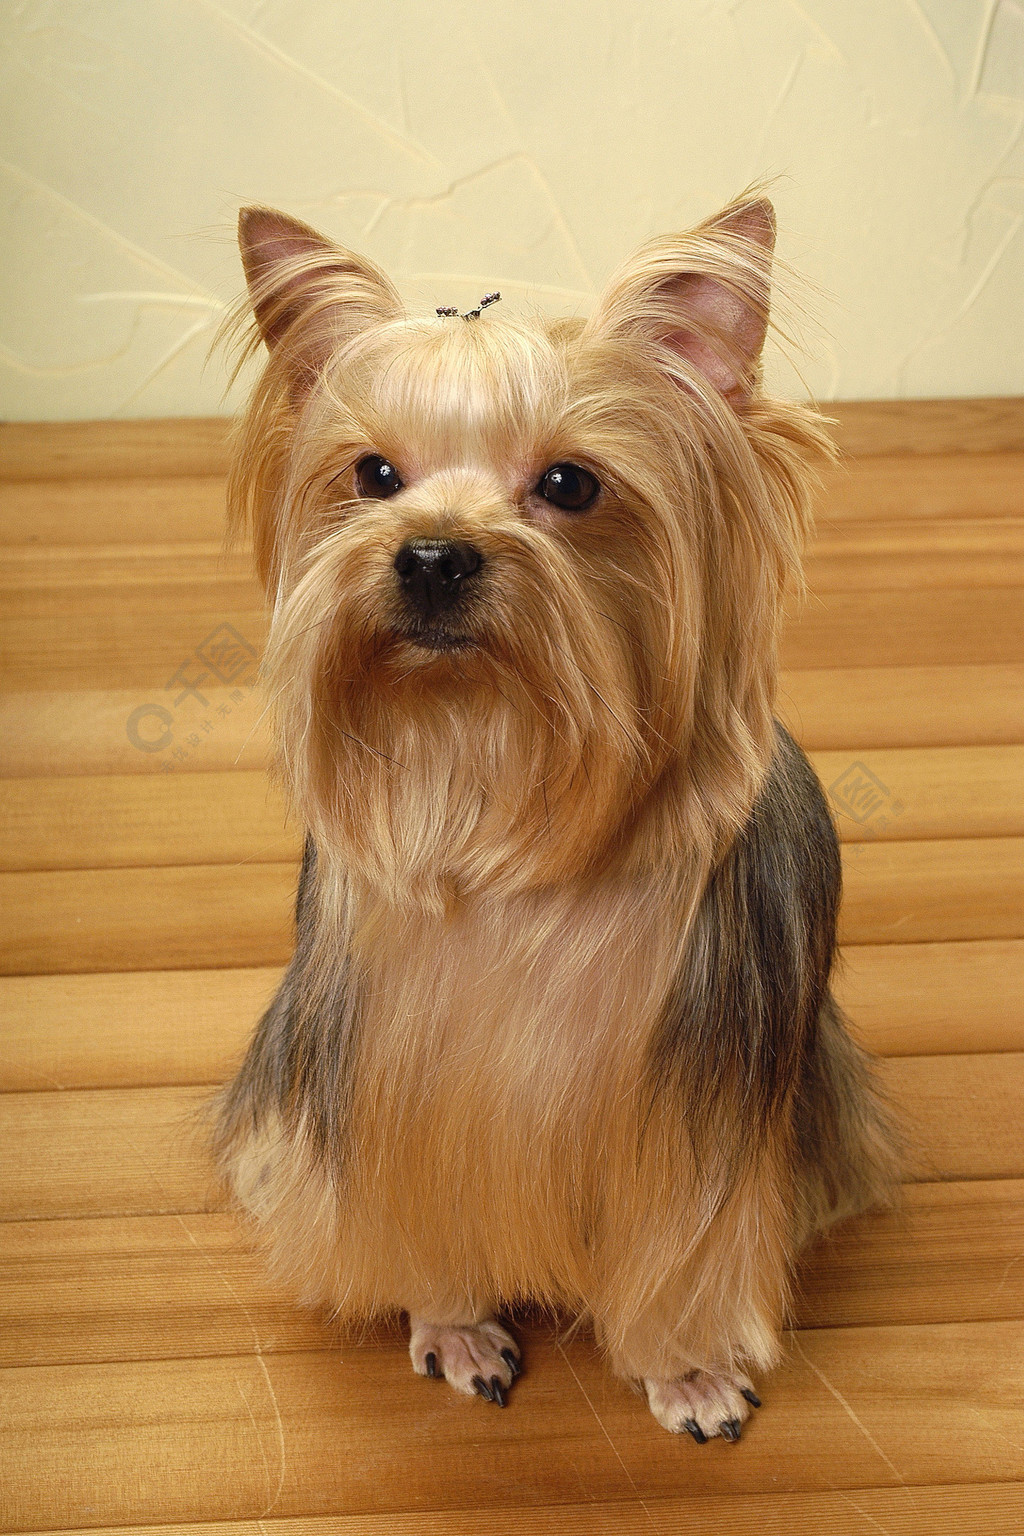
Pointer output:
x,y
376,478
569,487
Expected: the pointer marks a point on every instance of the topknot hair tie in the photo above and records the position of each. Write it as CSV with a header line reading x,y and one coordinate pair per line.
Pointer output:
x,y
471,314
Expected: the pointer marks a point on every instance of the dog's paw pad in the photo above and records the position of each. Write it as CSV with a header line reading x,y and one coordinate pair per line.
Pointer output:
x,y
703,1404
476,1358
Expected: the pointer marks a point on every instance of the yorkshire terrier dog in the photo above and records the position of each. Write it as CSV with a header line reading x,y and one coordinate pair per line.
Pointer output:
x,y
557,1028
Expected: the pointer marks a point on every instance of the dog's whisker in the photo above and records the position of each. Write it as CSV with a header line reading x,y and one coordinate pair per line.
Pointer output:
x,y
264,712
375,751
623,727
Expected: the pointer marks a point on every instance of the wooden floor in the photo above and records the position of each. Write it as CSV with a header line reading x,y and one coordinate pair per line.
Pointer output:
x,y
151,1376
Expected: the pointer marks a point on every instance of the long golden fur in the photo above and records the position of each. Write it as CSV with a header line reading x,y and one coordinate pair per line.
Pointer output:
x,y
558,1026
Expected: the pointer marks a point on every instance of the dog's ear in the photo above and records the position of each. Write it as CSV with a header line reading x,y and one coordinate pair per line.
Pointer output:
x,y
700,299
307,293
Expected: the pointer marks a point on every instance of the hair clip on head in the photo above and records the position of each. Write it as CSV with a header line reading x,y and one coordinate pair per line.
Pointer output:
x,y
446,310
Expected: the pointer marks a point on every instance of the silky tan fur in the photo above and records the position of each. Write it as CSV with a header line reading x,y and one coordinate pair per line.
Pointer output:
x,y
557,1027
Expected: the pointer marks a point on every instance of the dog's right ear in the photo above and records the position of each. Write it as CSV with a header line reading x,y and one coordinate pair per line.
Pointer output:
x,y
308,294
699,301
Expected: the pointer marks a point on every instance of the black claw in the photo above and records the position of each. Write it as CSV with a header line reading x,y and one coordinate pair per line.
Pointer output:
x,y
751,1397
730,1430
693,1428
511,1359
483,1389
497,1391
431,1363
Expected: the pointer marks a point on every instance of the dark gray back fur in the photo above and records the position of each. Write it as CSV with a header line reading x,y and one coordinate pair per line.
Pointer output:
x,y
752,1040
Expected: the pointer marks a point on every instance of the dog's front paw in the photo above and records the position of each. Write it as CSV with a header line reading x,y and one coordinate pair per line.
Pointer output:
x,y
474,1357
702,1404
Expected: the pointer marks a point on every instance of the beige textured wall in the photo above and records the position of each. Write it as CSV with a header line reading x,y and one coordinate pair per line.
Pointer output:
x,y
524,145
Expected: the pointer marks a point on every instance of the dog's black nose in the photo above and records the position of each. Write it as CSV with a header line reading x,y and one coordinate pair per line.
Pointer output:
x,y
433,572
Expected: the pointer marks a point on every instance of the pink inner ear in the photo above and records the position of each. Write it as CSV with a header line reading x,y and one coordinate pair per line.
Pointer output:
x,y
725,338
726,334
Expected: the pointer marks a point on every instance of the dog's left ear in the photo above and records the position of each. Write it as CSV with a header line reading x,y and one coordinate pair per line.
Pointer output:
x,y
307,293
700,300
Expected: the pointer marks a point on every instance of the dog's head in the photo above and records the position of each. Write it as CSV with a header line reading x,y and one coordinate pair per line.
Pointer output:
x,y
525,575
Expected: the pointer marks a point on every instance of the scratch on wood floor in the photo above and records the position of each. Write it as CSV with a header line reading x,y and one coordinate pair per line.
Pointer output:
x,y
979,1414
847,1409
35,1072
256,1432
1006,1274
282,1453
863,1512
260,1361
615,1451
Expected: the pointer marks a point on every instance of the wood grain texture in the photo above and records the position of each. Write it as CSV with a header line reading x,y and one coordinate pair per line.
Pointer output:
x,y
899,427
943,485
86,450
906,893
98,1289
133,646
904,555
839,708
928,627
978,1509
92,732
931,999
81,513
322,1432
901,794
151,919
962,1114
144,1288
155,577
952,1253
141,1151
113,1152
147,820
129,1029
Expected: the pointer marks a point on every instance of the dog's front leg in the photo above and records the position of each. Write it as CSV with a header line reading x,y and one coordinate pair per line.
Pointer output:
x,y
690,1339
476,1355
701,1389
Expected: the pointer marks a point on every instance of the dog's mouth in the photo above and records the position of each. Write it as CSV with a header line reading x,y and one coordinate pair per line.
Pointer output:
x,y
436,637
